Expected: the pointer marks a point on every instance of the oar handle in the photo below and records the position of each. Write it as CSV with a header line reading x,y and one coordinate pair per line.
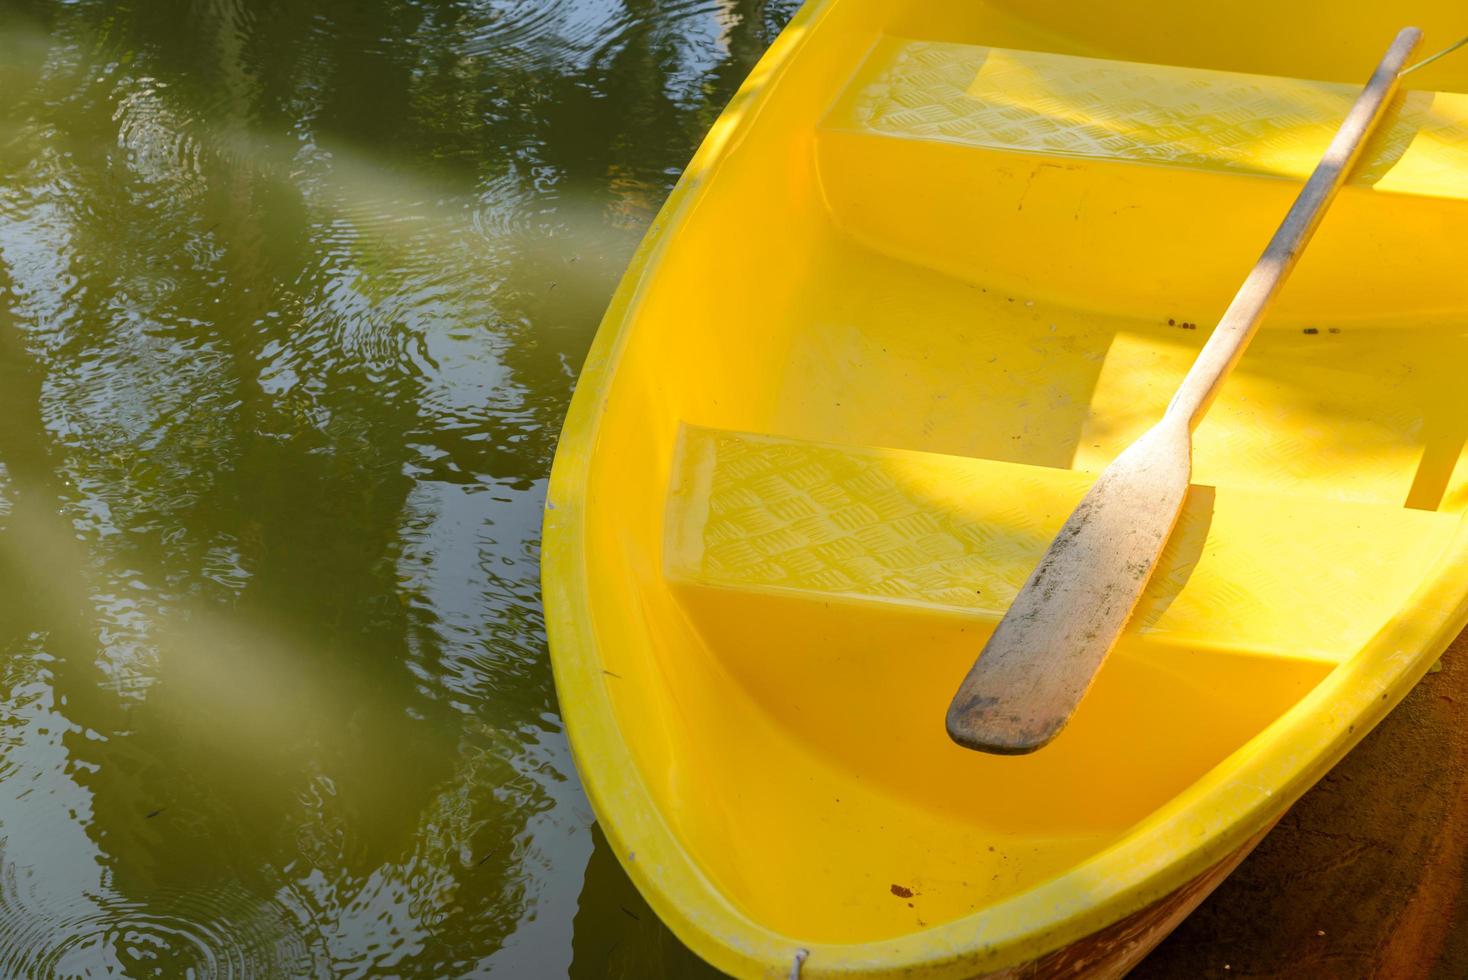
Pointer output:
x,y
1241,319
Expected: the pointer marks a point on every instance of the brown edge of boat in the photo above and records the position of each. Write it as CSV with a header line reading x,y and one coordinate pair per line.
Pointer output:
x,y
1113,952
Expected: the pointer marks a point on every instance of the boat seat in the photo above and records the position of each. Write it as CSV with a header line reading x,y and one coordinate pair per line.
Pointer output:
x,y
757,523
1137,180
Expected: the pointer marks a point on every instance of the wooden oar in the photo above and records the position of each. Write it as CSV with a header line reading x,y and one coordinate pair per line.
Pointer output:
x,y
1048,648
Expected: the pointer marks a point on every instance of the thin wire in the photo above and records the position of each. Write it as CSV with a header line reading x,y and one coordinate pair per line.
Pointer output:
x,y
1433,57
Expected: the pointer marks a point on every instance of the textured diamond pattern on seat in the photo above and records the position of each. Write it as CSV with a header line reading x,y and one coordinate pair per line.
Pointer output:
x,y
1244,570
1062,105
808,516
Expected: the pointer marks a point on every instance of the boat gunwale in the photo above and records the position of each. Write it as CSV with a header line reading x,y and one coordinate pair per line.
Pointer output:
x,y
1172,846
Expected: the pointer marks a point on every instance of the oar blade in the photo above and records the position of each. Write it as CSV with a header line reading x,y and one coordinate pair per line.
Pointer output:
x,y
1046,651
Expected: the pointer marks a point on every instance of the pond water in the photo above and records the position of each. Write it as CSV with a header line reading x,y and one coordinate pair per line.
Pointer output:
x,y
292,300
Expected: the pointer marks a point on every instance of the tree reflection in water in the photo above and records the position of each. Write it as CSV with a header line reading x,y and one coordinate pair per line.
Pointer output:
x,y
292,297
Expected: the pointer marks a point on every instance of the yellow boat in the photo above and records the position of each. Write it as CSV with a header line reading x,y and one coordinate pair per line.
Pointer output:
x,y
933,268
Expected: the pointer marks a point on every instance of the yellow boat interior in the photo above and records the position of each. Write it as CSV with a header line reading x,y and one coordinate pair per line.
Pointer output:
x,y
932,270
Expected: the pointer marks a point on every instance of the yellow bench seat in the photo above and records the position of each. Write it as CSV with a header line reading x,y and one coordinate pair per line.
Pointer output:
x,y
917,533
1137,181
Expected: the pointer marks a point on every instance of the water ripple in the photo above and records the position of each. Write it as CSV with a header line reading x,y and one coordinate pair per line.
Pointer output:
x,y
210,936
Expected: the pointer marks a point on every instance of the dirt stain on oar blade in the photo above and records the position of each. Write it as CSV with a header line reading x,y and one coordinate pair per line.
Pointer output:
x,y
1046,651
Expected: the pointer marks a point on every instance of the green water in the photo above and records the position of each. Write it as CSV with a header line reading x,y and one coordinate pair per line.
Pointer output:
x,y
292,299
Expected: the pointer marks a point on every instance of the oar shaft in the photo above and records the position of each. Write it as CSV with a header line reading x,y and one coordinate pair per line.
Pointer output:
x,y
1241,320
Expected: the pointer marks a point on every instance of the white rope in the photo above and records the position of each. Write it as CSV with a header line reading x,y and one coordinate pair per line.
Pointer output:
x,y
1433,57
